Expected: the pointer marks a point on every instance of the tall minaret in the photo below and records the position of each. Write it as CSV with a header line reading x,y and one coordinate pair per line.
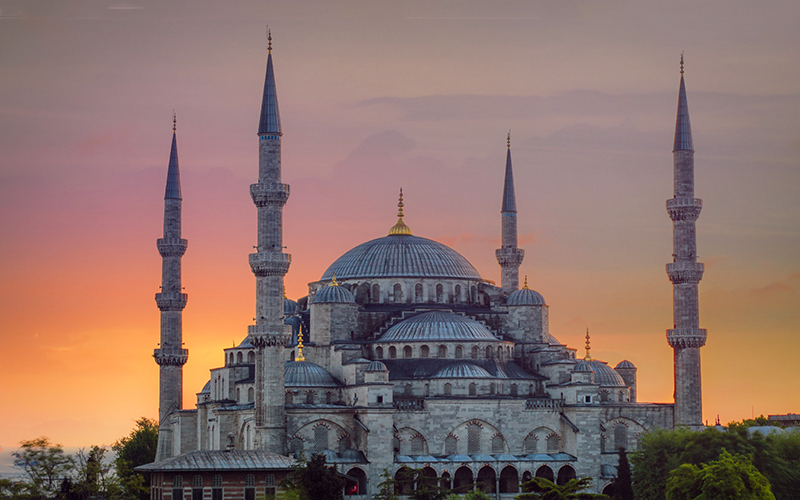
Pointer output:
x,y
686,337
270,265
509,257
171,356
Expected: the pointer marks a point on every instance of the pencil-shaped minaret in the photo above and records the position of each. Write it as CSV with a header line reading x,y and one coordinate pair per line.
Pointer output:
x,y
509,257
686,337
270,265
171,356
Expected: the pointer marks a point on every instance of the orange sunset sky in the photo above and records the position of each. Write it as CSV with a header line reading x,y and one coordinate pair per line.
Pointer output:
x,y
375,95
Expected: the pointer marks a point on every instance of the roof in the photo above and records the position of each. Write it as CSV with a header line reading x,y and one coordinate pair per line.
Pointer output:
x,y
307,374
173,190
525,297
583,366
289,307
683,128
438,326
605,375
625,365
401,256
427,368
270,122
333,294
462,370
376,366
509,201
221,460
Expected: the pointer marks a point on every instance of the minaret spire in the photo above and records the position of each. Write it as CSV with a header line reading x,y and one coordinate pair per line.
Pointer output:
x,y
509,257
269,265
686,337
171,356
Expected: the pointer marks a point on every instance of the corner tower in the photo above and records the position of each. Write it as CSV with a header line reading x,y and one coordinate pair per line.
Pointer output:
x,y
686,337
171,356
269,264
509,256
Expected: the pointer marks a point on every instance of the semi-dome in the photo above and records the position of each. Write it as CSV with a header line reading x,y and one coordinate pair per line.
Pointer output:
x,y
525,297
437,326
401,256
605,375
376,366
333,294
306,374
289,307
462,370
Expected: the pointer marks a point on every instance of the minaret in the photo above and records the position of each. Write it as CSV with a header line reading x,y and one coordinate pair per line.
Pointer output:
x,y
509,257
171,356
686,337
270,265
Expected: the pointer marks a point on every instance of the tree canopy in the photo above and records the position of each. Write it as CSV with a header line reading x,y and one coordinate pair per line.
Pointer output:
x,y
313,480
544,489
731,477
135,449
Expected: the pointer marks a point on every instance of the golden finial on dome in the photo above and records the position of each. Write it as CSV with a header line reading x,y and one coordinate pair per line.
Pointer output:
x,y
269,40
284,292
681,62
174,121
300,356
525,285
588,356
400,227
334,282
509,139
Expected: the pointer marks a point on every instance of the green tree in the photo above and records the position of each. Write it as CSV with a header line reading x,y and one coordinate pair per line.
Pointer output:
x,y
731,477
137,448
94,476
312,480
544,489
623,486
45,466
11,489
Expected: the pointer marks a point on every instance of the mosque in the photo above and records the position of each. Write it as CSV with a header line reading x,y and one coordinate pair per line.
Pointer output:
x,y
402,355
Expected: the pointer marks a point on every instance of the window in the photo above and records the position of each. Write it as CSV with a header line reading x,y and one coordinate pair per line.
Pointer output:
x,y
379,352
418,292
344,444
270,489
237,394
450,445
442,351
473,389
474,352
310,397
620,436
448,389
417,445
587,399
457,294
392,352
239,358
288,398
197,487
407,351
398,292
473,439
296,446
251,357
424,351
320,438
459,352
492,388
376,293
513,389
379,399
216,487
409,390
529,445
230,359
439,293
177,487
488,352
553,443
249,487
250,395
497,444
177,481
329,397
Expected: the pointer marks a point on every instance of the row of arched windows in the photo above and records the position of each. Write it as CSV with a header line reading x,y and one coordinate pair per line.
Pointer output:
x,y
472,390
443,351
218,487
496,444
398,294
239,358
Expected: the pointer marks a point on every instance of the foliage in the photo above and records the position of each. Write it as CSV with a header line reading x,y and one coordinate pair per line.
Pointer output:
x,y
413,484
477,495
93,475
137,448
11,489
732,477
544,489
312,480
623,487
45,466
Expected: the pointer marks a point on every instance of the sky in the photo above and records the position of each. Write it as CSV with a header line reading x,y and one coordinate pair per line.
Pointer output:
x,y
374,96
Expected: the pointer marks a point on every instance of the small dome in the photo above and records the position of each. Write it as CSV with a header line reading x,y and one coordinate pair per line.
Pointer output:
x,y
625,365
206,388
437,326
306,374
376,366
552,340
462,370
605,375
334,294
583,366
289,307
525,297
246,343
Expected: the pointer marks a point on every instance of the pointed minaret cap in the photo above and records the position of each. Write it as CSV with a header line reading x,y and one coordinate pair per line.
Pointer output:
x,y
683,128
400,227
588,356
173,172
270,122
509,200
300,356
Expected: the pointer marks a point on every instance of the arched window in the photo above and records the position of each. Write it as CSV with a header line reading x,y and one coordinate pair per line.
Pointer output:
x,y
450,445
249,488
492,388
418,293
251,357
448,389
545,472
359,488
459,352
417,445
530,444
603,396
320,438
197,487
424,351
230,359
296,446
497,444
442,351
445,482
473,389
216,487
473,292
509,480
513,389
530,389
439,293
329,397
553,443
457,294
488,352
310,397
463,478
473,439
474,352
398,292
427,390
344,444
487,479
409,390
239,358
270,489
237,395
405,484
288,397
392,352
565,473
376,293
250,395
379,352
620,436
407,351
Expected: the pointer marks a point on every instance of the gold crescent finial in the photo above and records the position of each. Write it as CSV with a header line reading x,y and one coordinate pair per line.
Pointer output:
x,y
174,121
400,227
334,282
681,62
269,39
300,356
284,292
509,139
525,285
588,356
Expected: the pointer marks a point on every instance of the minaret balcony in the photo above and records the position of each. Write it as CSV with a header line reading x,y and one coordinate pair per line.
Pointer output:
x,y
270,263
510,257
273,194
265,335
167,301
685,272
686,337
684,208
171,247
171,357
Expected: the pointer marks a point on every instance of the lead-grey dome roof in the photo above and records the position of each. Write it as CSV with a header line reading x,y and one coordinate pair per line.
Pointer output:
x,y
306,374
333,294
605,375
462,370
289,307
437,326
401,256
625,365
376,366
525,297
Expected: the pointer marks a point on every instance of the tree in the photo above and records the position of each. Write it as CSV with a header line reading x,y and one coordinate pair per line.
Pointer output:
x,y
544,489
93,475
312,480
137,448
45,466
623,486
731,477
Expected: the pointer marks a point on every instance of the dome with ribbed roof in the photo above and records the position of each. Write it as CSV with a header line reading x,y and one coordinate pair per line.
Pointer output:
x,y
625,365
401,256
376,366
333,294
306,374
289,307
605,375
583,366
437,326
525,297
462,370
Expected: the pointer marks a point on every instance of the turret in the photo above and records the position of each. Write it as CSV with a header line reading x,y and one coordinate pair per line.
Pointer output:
x,y
686,337
509,256
269,265
171,356
333,320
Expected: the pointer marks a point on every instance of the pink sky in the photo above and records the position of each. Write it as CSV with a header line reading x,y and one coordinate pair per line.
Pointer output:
x,y
375,96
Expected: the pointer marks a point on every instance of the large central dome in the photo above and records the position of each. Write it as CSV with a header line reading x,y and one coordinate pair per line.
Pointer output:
x,y
401,256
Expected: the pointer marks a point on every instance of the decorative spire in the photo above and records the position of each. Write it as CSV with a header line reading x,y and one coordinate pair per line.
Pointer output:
x,y
509,200
525,285
269,40
300,356
173,172
400,227
588,356
509,139
270,122
333,281
683,128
